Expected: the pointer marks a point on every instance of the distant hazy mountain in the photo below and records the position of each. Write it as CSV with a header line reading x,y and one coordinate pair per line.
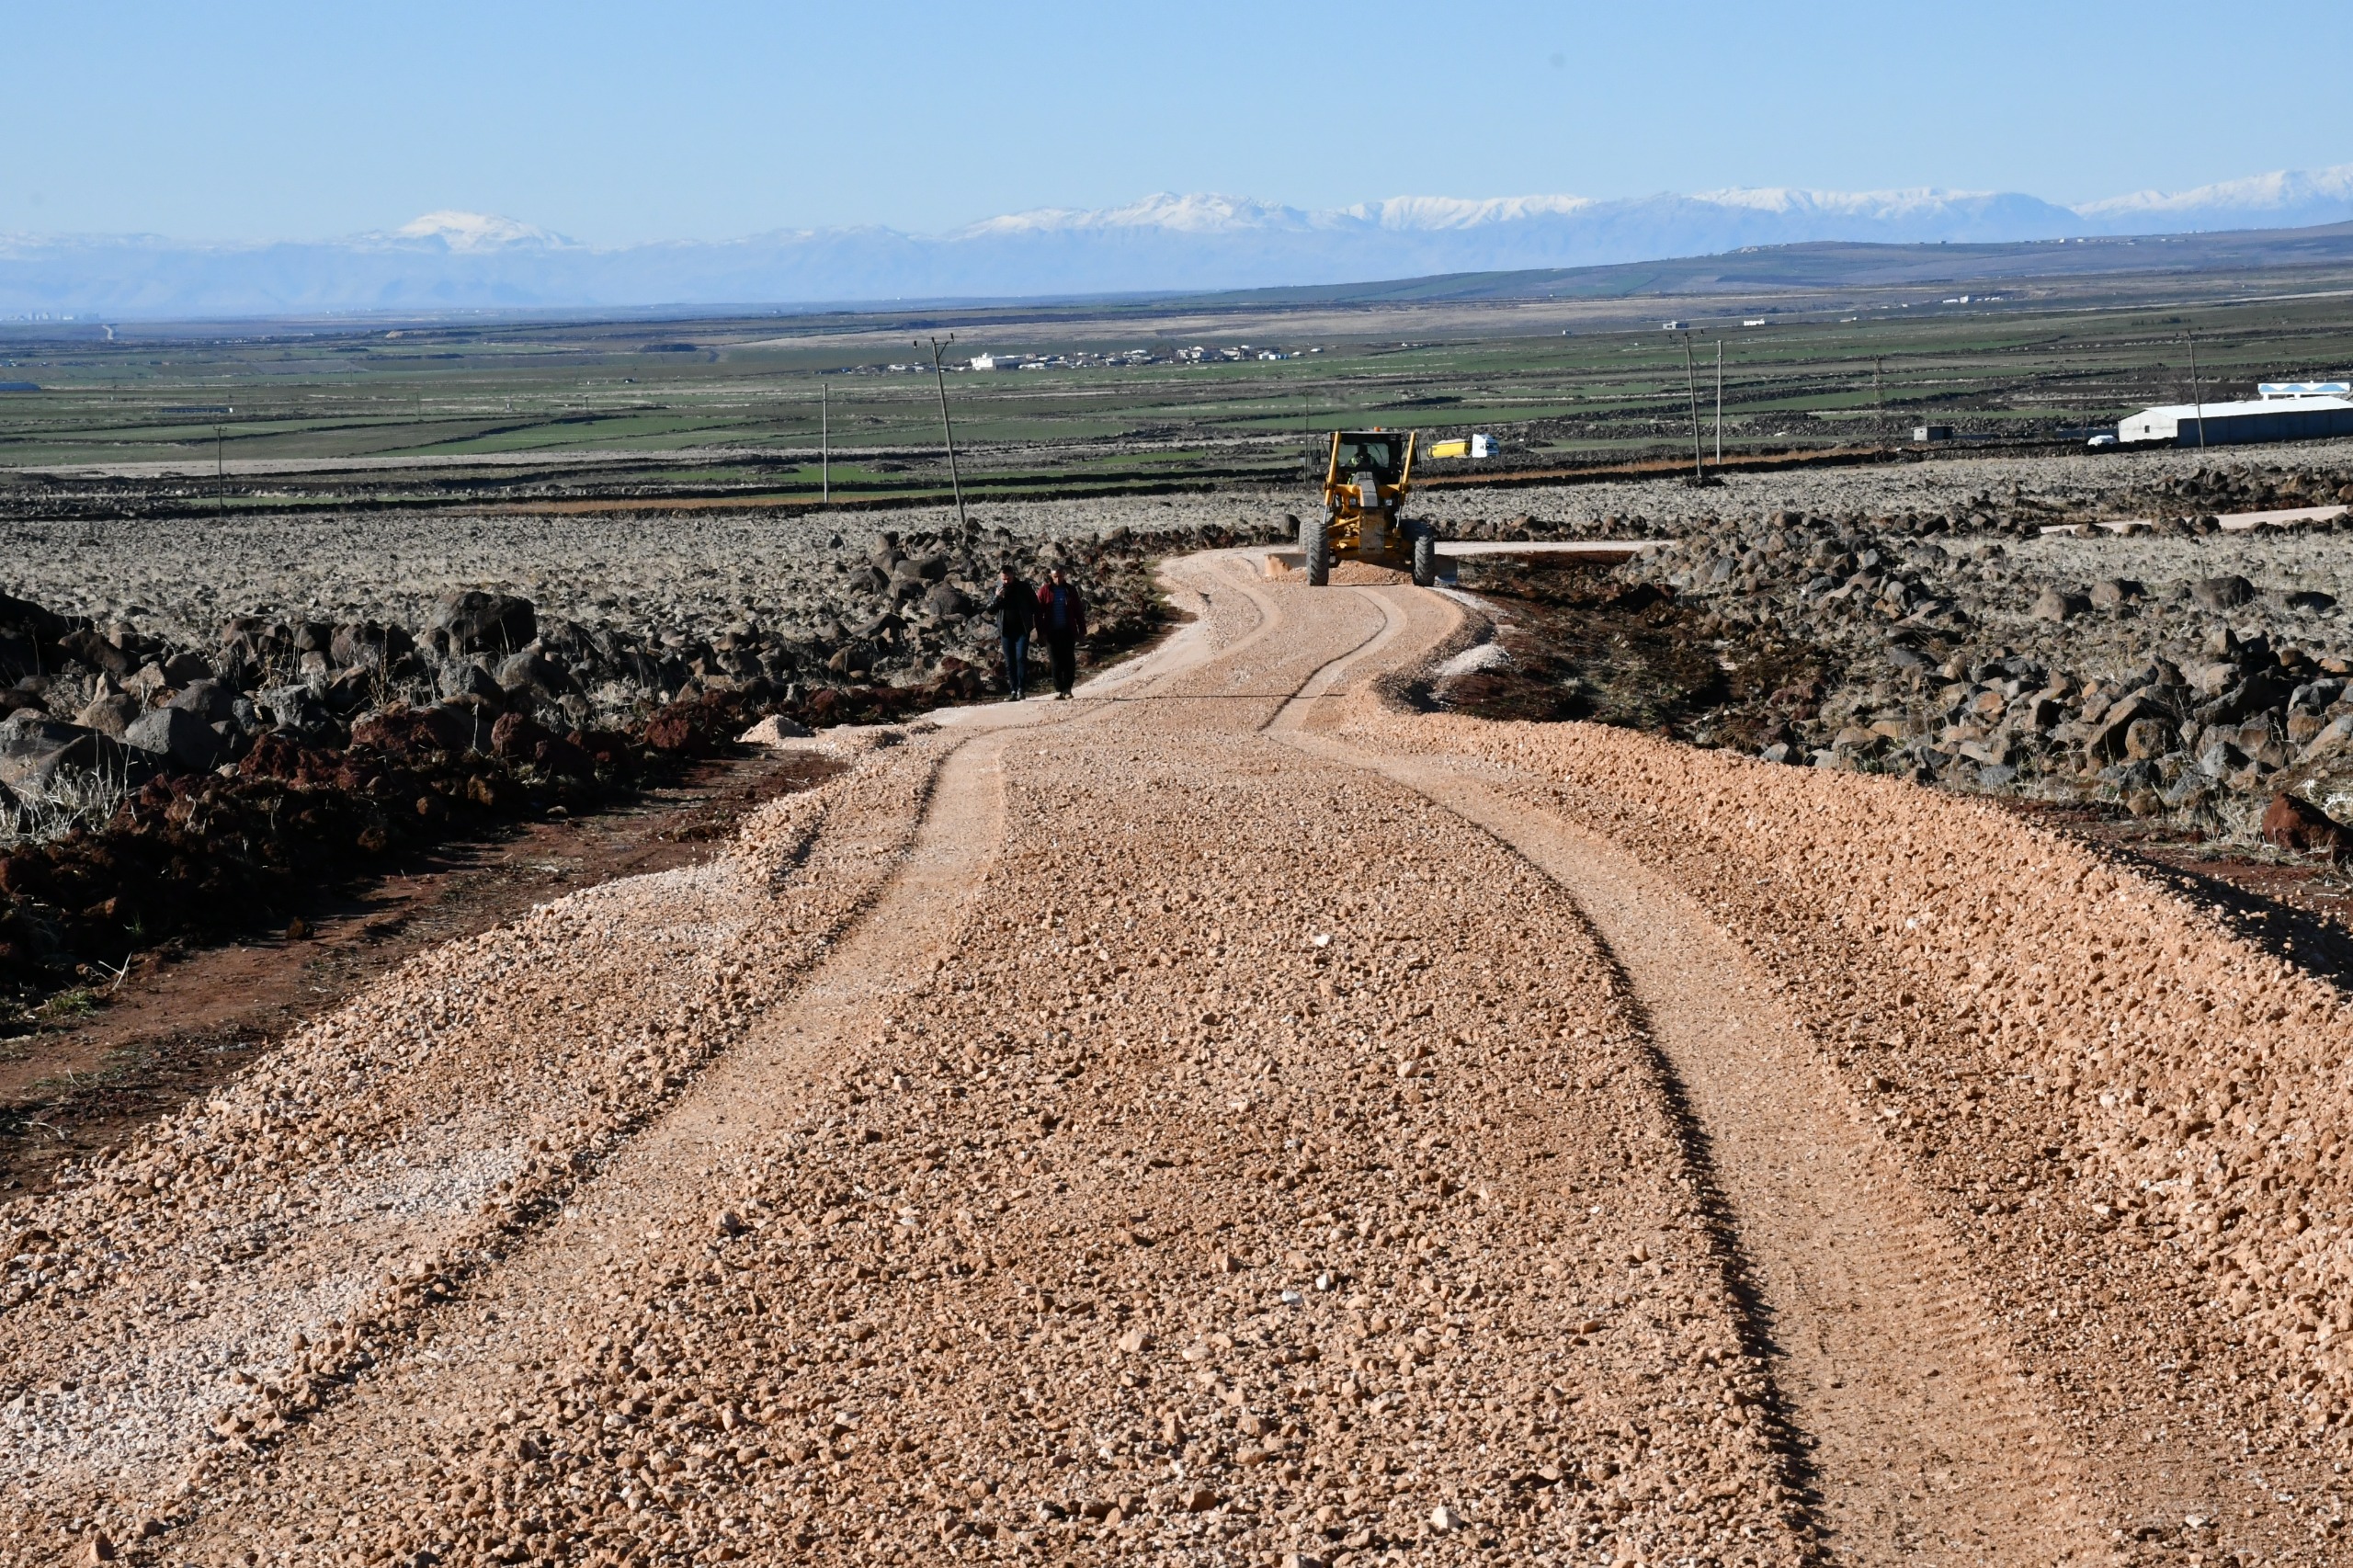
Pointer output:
x,y
457,260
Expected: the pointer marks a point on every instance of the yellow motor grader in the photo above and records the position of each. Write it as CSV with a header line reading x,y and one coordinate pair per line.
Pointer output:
x,y
1364,487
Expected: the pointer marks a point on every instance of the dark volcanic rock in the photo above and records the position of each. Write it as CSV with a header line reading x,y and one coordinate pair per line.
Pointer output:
x,y
177,734
2226,592
476,623
208,699
34,750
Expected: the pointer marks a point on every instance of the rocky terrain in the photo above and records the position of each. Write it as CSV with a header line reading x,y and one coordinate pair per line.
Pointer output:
x,y
156,777
2190,672
1911,617
2196,674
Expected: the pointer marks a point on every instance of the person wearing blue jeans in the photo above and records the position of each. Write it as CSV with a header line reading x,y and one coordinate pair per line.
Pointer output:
x,y
1015,608
1062,615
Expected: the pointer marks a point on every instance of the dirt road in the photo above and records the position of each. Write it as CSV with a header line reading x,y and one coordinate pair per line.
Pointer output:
x,y
1234,1117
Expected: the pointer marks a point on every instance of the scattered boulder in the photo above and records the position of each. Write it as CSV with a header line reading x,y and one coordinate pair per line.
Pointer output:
x,y
177,734
466,678
473,621
35,749
185,667
85,647
2226,592
2054,604
2295,824
110,715
208,699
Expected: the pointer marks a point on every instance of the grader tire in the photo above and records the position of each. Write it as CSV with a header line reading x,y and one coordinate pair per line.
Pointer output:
x,y
1425,556
1316,540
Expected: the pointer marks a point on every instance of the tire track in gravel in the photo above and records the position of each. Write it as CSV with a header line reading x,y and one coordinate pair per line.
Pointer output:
x,y
1919,1445
563,1281
557,1275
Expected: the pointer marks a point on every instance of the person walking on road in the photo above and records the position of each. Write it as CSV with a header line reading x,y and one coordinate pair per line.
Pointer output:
x,y
1016,609
1062,614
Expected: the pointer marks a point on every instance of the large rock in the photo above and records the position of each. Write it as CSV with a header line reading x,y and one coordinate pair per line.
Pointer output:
x,y
466,678
35,750
2296,825
473,622
2227,592
2055,605
208,699
177,734
184,667
2260,693
293,707
111,715
946,601
2334,738
91,651
2111,742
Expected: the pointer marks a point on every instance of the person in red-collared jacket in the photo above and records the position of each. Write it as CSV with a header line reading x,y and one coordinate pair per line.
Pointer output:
x,y
1062,619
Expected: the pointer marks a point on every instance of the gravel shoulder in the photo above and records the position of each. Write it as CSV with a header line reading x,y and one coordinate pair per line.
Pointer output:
x,y
183,1019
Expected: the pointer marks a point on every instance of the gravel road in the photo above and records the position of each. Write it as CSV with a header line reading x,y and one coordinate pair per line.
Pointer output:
x,y
1234,1119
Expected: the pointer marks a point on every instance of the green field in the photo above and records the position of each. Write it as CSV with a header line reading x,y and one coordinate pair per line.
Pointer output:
x,y
329,411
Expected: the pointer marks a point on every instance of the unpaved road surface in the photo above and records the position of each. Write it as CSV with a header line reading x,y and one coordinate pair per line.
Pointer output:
x,y
179,1021
1234,1118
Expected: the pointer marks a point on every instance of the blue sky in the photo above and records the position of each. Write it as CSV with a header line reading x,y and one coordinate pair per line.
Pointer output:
x,y
682,120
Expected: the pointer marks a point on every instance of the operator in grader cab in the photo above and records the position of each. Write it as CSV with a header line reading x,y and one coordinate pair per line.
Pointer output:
x,y
1364,489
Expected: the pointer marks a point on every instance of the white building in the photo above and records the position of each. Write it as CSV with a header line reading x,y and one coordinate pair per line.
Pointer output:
x,y
2228,424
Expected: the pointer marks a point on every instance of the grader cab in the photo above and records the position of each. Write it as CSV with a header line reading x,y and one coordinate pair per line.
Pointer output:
x,y
1364,489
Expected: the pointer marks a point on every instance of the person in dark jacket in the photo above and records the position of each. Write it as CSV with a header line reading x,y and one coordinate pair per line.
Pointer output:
x,y
1016,609
1062,616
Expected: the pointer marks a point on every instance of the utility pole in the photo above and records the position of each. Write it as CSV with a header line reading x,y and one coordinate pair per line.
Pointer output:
x,y
1720,402
940,375
1878,396
824,444
1691,385
2196,401
219,469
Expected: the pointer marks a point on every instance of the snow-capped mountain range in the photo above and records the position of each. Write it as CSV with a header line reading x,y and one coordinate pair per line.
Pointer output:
x,y
455,260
